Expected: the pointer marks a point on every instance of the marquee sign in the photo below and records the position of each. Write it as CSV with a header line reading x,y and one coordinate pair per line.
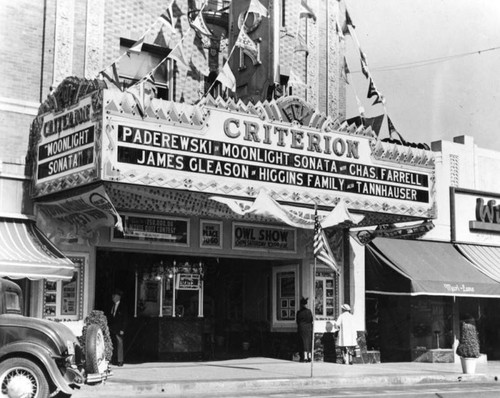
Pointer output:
x,y
234,153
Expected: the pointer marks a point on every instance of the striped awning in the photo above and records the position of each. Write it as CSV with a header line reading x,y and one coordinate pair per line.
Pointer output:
x,y
485,258
25,252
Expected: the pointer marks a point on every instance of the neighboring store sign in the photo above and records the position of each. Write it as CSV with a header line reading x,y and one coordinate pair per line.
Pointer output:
x,y
66,143
487,216
165,229
260,237
211,234
188,282
476,216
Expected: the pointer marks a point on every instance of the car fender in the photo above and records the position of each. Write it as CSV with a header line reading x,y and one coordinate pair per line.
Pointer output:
x,y
26,349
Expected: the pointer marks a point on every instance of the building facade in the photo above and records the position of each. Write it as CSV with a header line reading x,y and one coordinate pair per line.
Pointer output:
x,y
199,202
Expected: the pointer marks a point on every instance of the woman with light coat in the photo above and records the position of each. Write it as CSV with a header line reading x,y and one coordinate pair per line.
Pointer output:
x,y
347,333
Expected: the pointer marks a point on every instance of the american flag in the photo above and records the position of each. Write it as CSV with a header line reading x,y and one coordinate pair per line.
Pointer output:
x,y
322,249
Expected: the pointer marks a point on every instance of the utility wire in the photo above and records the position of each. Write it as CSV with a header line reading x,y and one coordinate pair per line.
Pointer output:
x,y
418,64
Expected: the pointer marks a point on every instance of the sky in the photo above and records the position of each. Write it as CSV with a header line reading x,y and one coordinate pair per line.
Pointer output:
x,y
459,95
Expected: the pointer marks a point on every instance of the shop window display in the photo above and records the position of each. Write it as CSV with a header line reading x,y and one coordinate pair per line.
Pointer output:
x,y
63,300
326,300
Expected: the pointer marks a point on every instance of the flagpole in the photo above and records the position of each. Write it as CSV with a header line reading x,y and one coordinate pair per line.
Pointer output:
x,y
313,310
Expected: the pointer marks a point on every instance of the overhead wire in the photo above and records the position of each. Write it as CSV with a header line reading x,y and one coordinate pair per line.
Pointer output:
x,y
418,64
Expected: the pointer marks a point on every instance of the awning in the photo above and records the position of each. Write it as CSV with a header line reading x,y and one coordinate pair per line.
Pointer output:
x,y
424,268
25,252
485,258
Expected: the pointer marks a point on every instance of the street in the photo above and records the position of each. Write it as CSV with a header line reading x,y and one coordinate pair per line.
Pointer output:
x,y
439,390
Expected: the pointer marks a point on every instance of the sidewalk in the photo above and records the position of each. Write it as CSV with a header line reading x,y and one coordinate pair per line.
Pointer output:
x,y
197,378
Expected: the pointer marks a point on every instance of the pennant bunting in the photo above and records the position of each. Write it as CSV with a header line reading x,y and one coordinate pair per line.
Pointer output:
x,y
392,130
306,11
246,43
137,46
345,71
226,77
257,8
341,216
168,19
200,26
339,30
177,54
348,19
322,251
372,91
137,92
364,69
264,205
115,79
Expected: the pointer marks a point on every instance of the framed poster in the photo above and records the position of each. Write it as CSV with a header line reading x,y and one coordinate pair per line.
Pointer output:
x,y
211,234
138,228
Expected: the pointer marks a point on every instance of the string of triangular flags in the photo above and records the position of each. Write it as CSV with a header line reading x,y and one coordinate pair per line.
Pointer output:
x,y
169,27
226,76
348,28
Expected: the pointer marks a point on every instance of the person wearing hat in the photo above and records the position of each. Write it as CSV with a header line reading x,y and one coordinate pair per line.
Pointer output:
x,y
347,333
117,321
304,329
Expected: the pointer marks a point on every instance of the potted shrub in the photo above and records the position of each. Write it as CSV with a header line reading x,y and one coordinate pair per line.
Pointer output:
x,y
468,347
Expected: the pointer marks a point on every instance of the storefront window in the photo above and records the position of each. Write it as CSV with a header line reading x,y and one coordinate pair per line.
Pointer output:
x,y
432,323
326,299
64,299
286,294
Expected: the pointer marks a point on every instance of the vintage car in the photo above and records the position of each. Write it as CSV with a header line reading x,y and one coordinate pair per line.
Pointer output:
x,y
41,358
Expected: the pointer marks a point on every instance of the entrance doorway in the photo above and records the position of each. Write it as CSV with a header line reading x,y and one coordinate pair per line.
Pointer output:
x,y
236,303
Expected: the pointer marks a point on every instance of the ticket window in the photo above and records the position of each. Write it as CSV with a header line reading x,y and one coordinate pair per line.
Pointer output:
x,y
174,293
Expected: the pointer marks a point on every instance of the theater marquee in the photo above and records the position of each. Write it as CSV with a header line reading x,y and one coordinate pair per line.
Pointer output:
x,y
237,154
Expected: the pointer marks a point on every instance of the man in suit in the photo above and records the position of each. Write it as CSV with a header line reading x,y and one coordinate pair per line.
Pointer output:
x,y
117,321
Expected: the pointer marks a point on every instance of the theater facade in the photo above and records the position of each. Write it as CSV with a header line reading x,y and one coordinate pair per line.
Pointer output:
x,y
157,201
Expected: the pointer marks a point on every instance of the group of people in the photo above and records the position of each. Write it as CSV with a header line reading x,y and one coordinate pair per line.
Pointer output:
x,y
343,330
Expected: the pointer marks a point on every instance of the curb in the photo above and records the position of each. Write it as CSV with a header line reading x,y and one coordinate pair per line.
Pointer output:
x,y
200,387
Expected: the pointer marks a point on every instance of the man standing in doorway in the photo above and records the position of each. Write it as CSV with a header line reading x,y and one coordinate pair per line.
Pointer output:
x,y
117,320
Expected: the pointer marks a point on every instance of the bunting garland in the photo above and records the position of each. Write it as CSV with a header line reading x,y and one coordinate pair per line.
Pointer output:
x,y
226,77
306,11
246,43
200,25
115,79
258,8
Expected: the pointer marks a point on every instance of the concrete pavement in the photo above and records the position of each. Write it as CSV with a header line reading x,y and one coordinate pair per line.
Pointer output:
x,y
191,379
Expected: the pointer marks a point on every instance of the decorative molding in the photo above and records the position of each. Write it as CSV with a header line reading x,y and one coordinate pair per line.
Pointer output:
x,y
454,170
94,42
63,41
19,106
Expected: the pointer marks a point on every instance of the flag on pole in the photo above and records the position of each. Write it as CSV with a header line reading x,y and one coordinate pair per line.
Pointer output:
x,y
306,11
257,8
226,77
322,251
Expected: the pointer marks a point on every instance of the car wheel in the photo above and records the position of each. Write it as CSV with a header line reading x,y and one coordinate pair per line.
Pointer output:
x,y
95,350
20,377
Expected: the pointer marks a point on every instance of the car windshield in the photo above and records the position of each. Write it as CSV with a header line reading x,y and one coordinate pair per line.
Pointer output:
x,y
12,303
